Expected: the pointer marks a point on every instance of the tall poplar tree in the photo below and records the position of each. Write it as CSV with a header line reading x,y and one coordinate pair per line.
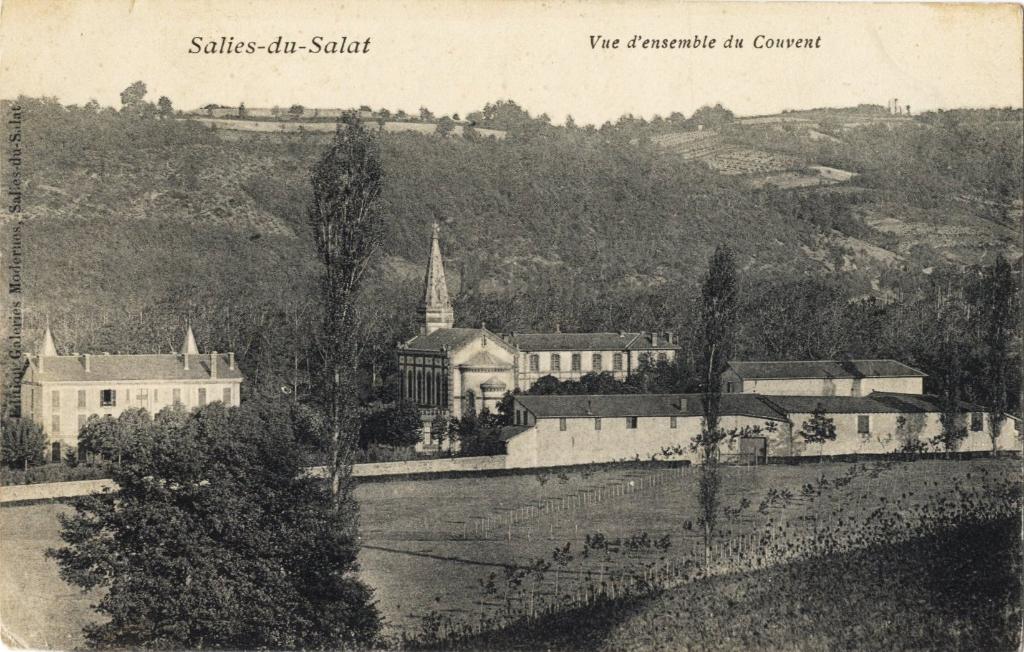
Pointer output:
x,y
347,227
719,309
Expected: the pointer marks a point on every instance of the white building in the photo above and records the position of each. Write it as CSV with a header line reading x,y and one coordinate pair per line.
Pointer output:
x,y
821,377
565,430
61,392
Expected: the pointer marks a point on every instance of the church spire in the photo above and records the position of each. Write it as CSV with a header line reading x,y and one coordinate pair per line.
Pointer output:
x,y
47,347
436,308
189,347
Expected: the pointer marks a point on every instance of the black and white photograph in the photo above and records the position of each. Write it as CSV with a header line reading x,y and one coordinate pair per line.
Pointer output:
x,y
490,325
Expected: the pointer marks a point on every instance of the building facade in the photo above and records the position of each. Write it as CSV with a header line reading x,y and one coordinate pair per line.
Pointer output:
x,y
447,370
821,378
565,430
61,392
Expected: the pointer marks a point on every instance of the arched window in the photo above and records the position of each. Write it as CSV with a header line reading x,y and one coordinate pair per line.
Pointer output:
x,y
409,386
429,399
470,401
577,362
617,362
419,386
438,388
556,362
534,362
595,362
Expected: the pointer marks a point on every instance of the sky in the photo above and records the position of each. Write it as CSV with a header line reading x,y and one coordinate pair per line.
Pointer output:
x,y
455,56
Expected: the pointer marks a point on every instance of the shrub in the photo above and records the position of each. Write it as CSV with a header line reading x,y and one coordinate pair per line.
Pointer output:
x,y
23,443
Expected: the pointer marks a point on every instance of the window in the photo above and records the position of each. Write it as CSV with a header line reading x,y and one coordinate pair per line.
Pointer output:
x,y
631,422
142,396
577,363
81,398
662,357
730,388
561,424
55,398
408,383
227,396
55,452
108,398
534,362
55,425
429,397
202,396
863,424
556,362
597,423
617,362
156,395
672,423
977,421
519,417
176,396
595,362
127,397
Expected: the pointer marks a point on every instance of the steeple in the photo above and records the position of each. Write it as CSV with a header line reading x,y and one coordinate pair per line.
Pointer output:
x,y
189,347
47,347
436,308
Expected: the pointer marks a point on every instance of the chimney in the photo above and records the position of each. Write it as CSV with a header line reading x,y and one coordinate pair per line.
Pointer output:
x,y
590,407
185,356
213,364
671,337
231,361
558,327
86,360
654,338
682,404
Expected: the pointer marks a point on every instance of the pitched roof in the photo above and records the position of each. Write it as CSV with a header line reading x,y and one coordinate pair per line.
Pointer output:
x,y
823,369
873,403
642,405
113,368
485,360
444,337
587,341
494,383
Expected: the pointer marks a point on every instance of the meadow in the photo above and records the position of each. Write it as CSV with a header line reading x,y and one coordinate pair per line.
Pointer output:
x,y
450,557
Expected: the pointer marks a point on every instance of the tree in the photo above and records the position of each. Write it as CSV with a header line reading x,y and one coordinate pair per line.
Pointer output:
x,y
23,443
818,429
445,126
347,227
296,111
396,425
717,323
425,114
164,107
999,311
132,98
241,110
478,434
218,538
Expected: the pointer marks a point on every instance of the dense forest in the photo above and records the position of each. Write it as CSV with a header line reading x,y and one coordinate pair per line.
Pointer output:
x,y
137,222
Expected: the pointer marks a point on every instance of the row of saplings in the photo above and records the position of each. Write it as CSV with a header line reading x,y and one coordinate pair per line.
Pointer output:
x,y
609,572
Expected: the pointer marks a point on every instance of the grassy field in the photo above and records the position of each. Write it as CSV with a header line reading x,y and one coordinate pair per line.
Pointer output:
x,y
457,551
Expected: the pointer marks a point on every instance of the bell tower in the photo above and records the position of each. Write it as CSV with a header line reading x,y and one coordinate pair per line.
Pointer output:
x,y
436,308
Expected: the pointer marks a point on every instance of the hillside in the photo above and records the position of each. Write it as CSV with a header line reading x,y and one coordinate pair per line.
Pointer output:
x,y
135,224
